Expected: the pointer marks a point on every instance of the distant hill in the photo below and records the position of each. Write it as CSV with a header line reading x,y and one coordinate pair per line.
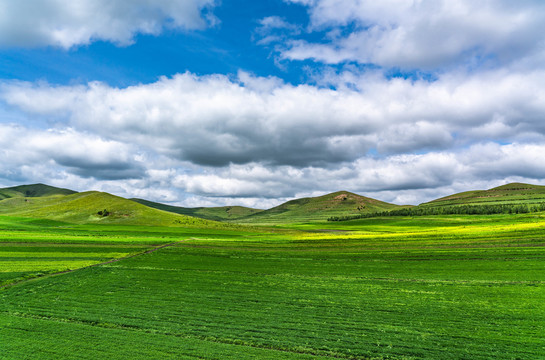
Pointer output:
x,y
340,203
43,201
210,213
514,198
34,190
513,193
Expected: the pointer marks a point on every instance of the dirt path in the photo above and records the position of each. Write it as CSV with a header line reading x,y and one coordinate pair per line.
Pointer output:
x,y
149,251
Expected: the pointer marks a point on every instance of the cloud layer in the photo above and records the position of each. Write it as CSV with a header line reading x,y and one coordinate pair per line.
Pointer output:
x,y
425,34
215,120
65,24
254,138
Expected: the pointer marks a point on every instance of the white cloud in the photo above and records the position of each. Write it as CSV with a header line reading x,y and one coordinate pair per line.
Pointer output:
x,y
214,121
29,23
81,161
402,179
275,22
73,152
273,29
213,140
425,34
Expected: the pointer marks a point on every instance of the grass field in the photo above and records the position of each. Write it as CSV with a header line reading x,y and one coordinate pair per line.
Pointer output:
x,y
402,288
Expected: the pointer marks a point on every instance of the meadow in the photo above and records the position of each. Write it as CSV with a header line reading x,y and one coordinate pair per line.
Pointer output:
x,y
437,287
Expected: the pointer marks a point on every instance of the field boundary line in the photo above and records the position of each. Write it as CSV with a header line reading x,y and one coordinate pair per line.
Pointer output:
x,y
144,252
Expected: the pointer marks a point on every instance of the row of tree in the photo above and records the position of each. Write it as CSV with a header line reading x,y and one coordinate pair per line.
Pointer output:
x,y
487,209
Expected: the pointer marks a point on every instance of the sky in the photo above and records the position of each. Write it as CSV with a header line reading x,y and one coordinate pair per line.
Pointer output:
x,y
253,103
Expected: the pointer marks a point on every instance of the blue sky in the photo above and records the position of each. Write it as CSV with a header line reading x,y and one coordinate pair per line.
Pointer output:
x,y
204,102
225,47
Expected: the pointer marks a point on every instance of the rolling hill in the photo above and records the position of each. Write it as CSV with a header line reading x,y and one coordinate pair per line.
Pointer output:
x,y
513,193
88,207
340,203
513,198
221,213
43,201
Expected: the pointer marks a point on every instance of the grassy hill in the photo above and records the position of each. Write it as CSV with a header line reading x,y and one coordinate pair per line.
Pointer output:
x,y
94,207
210,213
511,198
513,193
340,203
43,201
34,190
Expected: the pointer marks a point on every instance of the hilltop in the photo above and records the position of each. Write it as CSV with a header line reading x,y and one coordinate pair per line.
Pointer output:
x,y
34,190
220,213
340,203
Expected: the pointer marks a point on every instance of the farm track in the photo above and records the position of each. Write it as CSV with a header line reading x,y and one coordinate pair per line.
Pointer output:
x,y
149,251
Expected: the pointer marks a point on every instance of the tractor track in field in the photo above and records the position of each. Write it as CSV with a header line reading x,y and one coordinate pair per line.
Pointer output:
x,y
148,251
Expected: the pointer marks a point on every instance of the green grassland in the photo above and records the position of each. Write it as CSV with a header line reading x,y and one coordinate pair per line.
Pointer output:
x,y
401,288
32,247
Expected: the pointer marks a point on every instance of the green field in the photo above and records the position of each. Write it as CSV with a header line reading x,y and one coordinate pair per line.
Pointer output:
x,y
455,287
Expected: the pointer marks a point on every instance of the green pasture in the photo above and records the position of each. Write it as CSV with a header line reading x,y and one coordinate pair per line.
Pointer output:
x,y
464,287
31,247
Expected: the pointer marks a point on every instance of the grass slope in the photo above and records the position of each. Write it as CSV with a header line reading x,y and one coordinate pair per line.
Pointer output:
x,y
34,190
340,203
514,193
210,213
85,207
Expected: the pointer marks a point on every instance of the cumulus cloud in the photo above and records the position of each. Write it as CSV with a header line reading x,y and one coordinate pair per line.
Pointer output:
x,y
30,23
212,120
78,160
80,154
215,120
426,34
402,179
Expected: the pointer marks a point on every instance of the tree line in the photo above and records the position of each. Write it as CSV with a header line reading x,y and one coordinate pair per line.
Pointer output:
x,y
450,210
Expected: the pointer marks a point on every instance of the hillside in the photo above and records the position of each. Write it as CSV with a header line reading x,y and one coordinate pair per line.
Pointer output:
x,y
43,201
513,193
340,203
221,213
34,190
94,207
